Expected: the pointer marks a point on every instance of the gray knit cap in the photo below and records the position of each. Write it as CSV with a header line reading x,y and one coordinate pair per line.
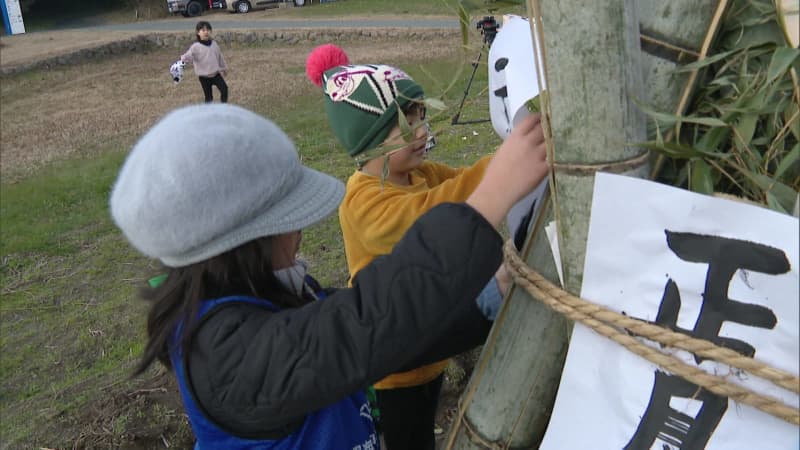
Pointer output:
x,y
208,178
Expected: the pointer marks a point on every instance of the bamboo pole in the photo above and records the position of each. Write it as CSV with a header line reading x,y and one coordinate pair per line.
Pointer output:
x,y
593,73
659,70
673,33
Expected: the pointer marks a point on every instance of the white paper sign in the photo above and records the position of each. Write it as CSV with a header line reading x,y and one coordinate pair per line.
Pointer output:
x,y
712,268
552,237
12,17
512,74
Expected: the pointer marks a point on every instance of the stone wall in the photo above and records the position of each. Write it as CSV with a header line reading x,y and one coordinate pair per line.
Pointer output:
x,y
150,41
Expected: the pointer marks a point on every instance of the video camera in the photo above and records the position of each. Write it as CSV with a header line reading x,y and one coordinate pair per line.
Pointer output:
x,y
488,27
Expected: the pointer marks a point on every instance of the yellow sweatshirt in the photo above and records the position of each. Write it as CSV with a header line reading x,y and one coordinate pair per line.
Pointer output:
x,y
374,217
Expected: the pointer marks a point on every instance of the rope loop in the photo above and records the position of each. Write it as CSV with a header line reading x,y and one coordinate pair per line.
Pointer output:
x,y
625,330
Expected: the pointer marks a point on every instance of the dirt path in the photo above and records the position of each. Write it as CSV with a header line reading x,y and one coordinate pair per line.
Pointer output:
x,y
29,47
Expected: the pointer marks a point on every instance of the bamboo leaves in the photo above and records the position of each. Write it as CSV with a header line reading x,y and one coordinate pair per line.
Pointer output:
x,y
779,196
790,160
679,151
782,59
701,179
668,119
405,127
434,103
741,134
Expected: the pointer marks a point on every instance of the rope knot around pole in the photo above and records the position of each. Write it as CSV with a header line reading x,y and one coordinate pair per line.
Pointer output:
x,y
628,331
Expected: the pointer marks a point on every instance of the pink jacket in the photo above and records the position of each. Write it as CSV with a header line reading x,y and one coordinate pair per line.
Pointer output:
x,y
207,59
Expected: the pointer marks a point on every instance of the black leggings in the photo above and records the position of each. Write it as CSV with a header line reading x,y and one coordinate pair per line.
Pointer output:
x,y
408,415
217,81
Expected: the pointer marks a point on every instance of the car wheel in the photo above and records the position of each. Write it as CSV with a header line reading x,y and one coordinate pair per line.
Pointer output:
x,y
194,9
243,7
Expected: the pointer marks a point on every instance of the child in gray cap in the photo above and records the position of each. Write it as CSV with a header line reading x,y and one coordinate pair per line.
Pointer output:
x,y
263,356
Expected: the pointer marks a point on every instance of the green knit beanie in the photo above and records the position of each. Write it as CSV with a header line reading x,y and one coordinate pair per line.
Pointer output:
x,y
361,100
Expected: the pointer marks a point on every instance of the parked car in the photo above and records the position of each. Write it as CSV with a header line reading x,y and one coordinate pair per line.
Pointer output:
x,y
245,6
192,8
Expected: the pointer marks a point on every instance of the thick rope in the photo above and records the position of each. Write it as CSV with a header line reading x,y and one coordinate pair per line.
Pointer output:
x,y
700,347
537,35
601,319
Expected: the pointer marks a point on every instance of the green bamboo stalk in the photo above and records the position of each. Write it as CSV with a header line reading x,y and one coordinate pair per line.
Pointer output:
x,y
672,34
594,73
694,26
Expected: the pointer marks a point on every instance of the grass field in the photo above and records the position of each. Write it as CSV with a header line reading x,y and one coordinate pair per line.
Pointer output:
x,y
71,327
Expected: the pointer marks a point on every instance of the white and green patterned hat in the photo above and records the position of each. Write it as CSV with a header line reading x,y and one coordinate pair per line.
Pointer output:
x,y
361,100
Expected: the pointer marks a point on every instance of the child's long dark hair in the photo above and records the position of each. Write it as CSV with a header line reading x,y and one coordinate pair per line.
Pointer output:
x,y
245,270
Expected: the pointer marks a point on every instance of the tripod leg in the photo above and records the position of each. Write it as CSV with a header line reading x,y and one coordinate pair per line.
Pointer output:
x,y
469,84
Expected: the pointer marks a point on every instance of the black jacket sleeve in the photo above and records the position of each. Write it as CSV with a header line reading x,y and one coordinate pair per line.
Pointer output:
x,y
252,370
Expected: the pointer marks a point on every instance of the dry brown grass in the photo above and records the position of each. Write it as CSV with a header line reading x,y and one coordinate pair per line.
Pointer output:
x,y
75,111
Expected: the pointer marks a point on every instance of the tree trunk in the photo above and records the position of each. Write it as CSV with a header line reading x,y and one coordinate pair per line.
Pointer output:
x,y
593,73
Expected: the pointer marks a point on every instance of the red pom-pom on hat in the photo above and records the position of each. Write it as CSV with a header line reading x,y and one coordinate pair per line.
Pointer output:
x,y
323,58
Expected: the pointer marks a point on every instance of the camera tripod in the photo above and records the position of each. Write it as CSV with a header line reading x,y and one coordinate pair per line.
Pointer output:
x,y
488,27
457,115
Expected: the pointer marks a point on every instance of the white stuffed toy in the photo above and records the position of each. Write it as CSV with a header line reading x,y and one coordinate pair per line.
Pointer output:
x,y
176,70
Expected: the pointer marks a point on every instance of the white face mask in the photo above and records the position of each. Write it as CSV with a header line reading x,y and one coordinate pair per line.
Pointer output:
x,y
293,278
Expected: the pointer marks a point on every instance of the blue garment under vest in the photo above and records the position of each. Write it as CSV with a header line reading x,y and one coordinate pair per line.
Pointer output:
x,y
345,425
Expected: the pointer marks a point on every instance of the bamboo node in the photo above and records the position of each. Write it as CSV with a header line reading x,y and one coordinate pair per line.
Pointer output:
x,y
617,167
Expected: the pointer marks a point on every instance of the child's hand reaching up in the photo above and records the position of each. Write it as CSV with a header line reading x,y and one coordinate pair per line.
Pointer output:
x,y
515,170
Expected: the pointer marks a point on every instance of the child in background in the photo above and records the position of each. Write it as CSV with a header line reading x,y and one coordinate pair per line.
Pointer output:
x,y
264,357
393,186
209,65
